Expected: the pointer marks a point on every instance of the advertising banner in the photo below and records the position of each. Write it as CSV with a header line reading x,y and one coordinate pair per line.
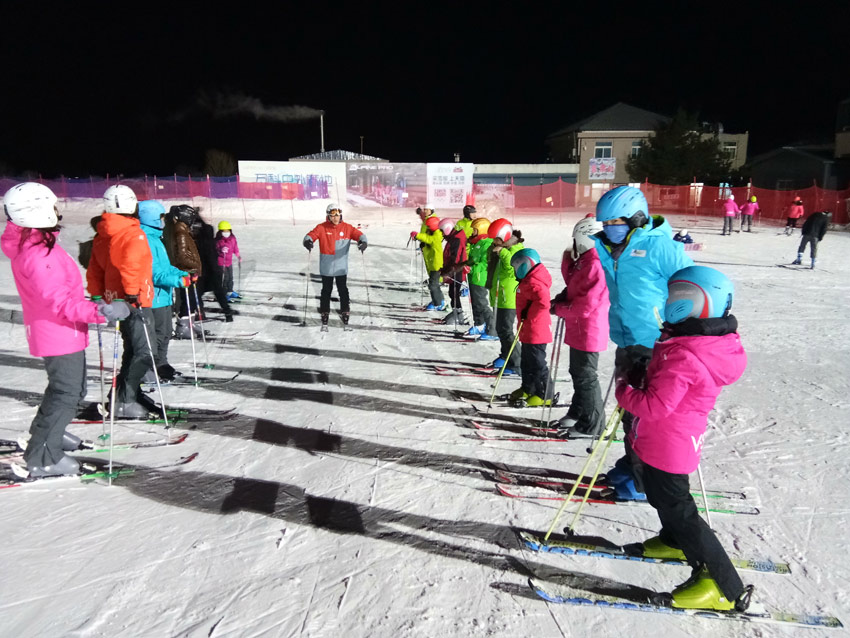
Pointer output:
x,y
386,184
296,180
602,168
449,184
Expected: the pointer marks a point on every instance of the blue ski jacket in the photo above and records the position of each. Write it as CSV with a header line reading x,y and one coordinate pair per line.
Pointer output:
x,y
165,276
637,275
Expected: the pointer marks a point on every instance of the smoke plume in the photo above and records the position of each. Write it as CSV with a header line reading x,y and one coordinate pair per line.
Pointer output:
x,y
235,104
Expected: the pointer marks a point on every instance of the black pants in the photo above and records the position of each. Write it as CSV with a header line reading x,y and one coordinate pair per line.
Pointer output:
x,y
727,224
136,359
535,372
455,286
812,241
684,528
163,327
586,405
434,288
66,387
481,313
748,220
227,278
505,321
342,290
792,222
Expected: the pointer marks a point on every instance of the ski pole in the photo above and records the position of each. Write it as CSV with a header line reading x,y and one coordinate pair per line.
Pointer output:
x,y
604,403
610,432
306,286
554,361
505,365
366,279
704,496
101,408
201,320
239,277
112,398
192,335
155,374
592,482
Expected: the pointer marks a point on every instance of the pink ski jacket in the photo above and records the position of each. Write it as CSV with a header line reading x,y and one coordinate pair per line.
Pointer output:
x,y
226,247
730,208
683,381
584,308
532,295
750,208
795,211
56,312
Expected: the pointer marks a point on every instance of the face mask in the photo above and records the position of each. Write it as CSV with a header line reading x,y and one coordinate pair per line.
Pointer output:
x,y
225,233
616,233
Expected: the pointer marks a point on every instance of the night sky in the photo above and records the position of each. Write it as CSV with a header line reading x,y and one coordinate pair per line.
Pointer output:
x,y
96,91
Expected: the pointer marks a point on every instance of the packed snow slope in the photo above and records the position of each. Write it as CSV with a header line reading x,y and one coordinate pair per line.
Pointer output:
x,y
345,496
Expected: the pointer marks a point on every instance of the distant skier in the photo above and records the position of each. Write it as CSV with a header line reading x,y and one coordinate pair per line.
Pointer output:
x,y
638,255
747,211
814,228
795,212
227,248
56,314
465,223
535,327
583,305
698,353
730,211
334,237
683,236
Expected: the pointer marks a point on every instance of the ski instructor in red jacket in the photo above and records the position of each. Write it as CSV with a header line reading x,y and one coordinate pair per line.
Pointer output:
x,y
334,237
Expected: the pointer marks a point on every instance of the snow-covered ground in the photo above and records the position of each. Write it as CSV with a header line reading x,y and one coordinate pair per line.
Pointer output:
x,y
345,497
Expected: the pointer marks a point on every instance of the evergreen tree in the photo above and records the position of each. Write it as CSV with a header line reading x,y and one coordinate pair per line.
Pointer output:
x,y
678,153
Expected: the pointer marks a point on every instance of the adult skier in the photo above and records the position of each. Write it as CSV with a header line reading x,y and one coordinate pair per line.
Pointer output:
x,y
121,267
183,254
814,228
698,353
334,237
56,314
638,254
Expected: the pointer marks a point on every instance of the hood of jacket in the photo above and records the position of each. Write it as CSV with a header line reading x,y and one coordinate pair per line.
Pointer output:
x,y
112,224
723,355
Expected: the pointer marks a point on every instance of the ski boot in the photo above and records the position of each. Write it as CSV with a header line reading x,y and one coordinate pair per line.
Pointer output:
x,y
535,401
700,591
813,263
325,318
345,317
517,397
66,466
475,331
486,336
622,471
167,373
798,261
656,548
131,410
498,363
624,491
432,306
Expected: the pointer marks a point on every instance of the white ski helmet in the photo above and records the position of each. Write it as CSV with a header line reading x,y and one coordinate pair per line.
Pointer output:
x,y
582,235
120,199
447,226
31,205
332,207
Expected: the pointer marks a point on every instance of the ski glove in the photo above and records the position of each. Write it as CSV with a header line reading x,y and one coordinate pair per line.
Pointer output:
x,y
362,245
115,311
308,243
133,300
524,314
413,234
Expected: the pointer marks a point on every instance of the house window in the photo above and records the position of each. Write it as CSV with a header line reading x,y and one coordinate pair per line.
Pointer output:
x,y
604,149
635,149
730,149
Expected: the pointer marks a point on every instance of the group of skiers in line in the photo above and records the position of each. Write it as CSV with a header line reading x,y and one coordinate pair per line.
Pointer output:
x,y
138,258
621,268
813,229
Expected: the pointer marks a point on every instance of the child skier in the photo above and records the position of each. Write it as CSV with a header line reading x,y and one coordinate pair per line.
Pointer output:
x,y
698,353
334,237
730,211
479,250
583,305
535,327
795,212
432,252
747,211
503,284
165,278
227,248
683,236
55,316
453,271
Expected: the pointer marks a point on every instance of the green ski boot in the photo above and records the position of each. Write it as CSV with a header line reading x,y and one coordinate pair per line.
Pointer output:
x,y
656,548
700,591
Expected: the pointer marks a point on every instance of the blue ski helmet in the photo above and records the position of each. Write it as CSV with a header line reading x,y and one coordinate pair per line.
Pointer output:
x,y
523,261
623,201
698,291
151,212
